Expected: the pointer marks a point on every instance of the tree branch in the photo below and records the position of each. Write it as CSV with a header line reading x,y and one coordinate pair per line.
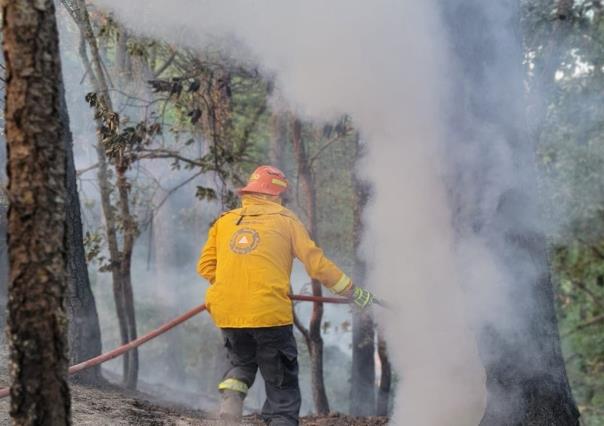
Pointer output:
x,y
594,248
166,64
303,330
170,192
589,323
160,153
80,172
596,299
324,147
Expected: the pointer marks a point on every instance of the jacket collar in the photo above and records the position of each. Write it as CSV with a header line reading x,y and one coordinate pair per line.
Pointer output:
x,y
257,204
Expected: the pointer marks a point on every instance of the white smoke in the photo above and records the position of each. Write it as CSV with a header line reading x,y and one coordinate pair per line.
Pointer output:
x,y
381,62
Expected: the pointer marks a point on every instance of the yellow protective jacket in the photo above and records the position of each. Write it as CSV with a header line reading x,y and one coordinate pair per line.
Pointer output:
x,y
247,260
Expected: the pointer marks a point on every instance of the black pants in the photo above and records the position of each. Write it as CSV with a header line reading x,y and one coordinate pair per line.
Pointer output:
x,y
274,351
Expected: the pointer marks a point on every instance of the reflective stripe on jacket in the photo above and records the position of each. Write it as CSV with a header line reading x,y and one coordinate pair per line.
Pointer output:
x,y
248,261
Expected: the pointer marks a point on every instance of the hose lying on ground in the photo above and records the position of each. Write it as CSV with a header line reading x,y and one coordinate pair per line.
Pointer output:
x,y
4,392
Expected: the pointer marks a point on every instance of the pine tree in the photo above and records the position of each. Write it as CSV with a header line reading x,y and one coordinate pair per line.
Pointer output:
x,y
37,323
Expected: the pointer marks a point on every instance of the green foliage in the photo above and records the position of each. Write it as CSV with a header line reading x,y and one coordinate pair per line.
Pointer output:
x,y
122,143
204,193
93,243
332,154
580,273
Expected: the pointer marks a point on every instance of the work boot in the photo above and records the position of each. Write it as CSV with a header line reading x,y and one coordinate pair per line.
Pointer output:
x,y
231,407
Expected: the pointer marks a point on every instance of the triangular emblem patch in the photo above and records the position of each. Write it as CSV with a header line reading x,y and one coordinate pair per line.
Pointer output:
x,y
244,241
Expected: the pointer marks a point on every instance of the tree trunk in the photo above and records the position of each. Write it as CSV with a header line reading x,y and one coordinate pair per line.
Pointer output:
x,y
84,329
114,254
122,57
3,247
315,340
385,378
516,394
275,153
518,339
3,261
112,244
120,261
165,248
362,391
37,233
129,231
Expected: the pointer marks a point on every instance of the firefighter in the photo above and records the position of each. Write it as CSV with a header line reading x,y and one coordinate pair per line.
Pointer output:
x,y
247,260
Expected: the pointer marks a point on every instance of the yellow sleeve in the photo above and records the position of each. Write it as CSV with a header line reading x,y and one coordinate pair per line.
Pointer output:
x,y
317,265
206,265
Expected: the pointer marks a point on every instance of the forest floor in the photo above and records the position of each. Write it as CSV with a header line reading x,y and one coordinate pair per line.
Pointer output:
x,y
113,405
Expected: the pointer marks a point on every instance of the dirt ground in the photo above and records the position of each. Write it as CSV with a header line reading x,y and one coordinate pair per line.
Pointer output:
x,y
112,405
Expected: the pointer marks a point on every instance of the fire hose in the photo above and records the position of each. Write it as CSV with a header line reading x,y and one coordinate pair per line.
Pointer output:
x,y
4,392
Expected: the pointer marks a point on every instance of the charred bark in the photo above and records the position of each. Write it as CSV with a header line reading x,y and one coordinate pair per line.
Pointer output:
x,y
526,377
519,394
362,391
383,401
314,340
84,329
37,321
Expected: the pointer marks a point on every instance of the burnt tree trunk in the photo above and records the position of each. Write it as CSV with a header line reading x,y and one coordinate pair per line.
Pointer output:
x,y
84,329
362,390
314,338
520,344
383,400
37,322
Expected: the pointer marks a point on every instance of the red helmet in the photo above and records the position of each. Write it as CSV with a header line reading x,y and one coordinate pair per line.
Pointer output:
x,y
266,180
